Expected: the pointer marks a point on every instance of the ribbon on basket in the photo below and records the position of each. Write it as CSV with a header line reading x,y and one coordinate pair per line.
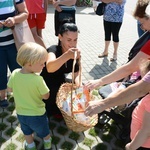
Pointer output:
x,y
73,78
71,100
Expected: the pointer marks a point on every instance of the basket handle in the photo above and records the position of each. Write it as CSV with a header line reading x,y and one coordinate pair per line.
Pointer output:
x,y
73,68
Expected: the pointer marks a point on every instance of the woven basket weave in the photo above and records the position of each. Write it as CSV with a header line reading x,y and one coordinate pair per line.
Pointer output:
x,y
72,124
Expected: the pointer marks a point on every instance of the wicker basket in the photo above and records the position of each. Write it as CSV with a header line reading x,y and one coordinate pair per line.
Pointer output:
x,y
71,122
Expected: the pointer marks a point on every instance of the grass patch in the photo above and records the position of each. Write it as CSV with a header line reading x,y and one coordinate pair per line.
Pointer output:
x,y
2,140
11,108
93,132
10,132
74,136
52,126
62,130
67,145
11,98
2,126
88,142
3,114
55,140
11,146
79,148
20,138
11,119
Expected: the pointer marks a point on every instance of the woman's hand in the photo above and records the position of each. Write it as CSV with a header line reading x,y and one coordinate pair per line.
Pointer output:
x,y
92,84
71,52
94,107
56,6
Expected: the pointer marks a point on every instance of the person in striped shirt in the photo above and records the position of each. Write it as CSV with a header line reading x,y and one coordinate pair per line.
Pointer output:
x,y
8,51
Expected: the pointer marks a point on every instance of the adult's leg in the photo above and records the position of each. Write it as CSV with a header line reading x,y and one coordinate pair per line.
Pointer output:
x,y
115,33
3,76
39,32
29,139
107,30
11,57
40,23
37,38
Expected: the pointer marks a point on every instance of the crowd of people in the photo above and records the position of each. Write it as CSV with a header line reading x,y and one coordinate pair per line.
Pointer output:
x,y
47,68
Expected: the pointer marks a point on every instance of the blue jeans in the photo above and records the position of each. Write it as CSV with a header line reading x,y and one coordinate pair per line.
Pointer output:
x,y
7,59
37,124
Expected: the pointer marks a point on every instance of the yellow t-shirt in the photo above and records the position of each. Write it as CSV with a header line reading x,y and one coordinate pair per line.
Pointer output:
x,y
27,91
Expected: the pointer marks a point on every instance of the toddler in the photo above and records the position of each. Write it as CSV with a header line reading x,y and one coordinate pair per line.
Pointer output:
x,y
29,89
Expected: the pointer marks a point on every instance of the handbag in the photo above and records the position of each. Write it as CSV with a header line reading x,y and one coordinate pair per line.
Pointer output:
x,y
100,9
22,34
68,12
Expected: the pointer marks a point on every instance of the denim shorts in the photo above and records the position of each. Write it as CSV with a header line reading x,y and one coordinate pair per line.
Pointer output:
x,y
37,124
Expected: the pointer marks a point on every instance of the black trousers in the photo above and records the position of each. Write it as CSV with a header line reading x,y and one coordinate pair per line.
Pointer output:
x,y
60,16
112,28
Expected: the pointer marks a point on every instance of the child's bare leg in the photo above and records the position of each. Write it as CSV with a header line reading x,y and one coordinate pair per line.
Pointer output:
x,y
29,139
47,137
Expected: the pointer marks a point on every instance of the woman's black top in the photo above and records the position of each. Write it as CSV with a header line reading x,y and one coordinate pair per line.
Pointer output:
x,y
55,79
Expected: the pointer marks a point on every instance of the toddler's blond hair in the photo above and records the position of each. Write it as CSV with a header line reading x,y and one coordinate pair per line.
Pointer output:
x,y
31,53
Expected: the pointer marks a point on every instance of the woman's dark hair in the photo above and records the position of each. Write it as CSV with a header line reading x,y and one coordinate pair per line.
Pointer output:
x,y
67,25
140,9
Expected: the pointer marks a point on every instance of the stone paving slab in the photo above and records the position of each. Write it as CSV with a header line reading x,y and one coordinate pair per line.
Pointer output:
x,y
91,43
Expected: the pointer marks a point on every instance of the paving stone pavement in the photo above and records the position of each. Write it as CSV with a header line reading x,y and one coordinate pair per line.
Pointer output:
x,y
91,43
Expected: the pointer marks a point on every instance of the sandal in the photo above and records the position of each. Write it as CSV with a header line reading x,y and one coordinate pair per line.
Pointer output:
x,y
102,55
114,58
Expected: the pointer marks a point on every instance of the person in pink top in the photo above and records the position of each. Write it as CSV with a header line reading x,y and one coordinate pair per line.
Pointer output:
x,y
37,17
140,133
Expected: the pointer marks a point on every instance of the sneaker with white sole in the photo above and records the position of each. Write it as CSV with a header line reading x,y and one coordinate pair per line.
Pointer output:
x,y
47,145
27,148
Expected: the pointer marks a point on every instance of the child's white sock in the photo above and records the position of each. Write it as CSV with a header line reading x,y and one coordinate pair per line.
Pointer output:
x,y
31,145
49,140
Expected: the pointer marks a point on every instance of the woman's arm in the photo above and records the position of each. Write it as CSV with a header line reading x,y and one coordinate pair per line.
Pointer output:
x,y
119,73
53,63
142,135
123,96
